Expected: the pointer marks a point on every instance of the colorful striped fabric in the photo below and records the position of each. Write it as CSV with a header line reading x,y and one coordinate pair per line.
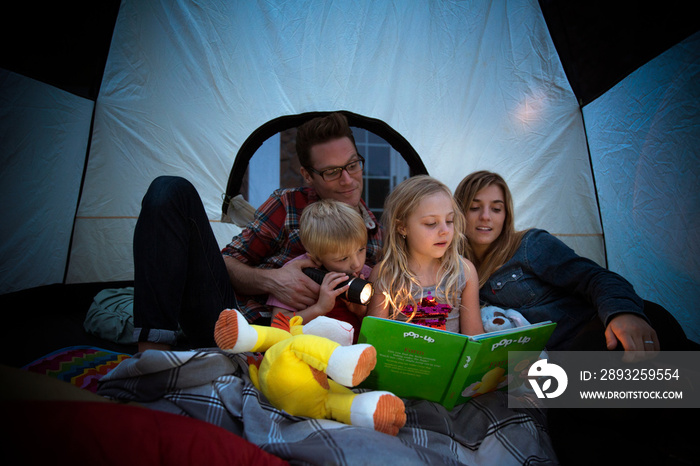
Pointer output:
x,y
82,366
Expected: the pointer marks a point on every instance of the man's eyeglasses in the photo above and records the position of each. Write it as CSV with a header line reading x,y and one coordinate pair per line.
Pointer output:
x,y
332,174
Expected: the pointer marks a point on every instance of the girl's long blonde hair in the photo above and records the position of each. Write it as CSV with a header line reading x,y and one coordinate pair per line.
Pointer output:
x,y
394,277
504,247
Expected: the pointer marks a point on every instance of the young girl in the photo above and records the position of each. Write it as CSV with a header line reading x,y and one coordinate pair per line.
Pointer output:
x,y
421,268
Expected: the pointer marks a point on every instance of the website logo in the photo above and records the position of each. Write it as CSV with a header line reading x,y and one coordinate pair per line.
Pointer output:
x,y
546,372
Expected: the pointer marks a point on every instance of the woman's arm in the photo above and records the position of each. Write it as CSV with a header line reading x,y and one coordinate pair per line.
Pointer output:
x,y
637,337
557,264
613,297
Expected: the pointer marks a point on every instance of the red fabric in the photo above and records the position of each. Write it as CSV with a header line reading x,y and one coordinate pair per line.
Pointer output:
x,y
94,433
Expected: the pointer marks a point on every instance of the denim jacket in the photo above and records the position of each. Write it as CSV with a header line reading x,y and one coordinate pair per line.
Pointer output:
x,y
547,280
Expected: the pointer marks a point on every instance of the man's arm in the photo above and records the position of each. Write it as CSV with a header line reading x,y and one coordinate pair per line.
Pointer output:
x,y
326,299
288,284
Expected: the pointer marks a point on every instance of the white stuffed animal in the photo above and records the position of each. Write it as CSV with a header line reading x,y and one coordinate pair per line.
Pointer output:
x,y
494,318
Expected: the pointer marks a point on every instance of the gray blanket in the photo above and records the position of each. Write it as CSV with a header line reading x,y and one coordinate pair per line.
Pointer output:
x,y
213,386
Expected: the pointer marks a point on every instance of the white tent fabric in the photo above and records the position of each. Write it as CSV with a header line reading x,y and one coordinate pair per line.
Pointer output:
x,y
644,139
43,141
186,84
470,85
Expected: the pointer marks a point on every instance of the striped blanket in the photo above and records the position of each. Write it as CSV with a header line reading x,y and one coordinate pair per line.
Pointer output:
x,y
213,386
82,366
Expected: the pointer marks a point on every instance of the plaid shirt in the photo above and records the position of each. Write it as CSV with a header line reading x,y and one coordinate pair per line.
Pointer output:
x,y
272,239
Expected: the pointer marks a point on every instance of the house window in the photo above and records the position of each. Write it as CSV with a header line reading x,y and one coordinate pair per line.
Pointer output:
x,y
384,168
267,160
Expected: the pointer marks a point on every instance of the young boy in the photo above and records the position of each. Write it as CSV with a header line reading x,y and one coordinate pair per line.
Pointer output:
x,y
335,238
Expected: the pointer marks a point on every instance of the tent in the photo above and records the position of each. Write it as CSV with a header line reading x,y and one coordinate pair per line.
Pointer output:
x,y
588,109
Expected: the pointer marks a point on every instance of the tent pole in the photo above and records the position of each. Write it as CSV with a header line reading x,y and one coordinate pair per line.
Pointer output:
x,y
595,185
80,192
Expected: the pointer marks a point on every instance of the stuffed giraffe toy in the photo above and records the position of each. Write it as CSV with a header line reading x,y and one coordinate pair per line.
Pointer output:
x,y
306,369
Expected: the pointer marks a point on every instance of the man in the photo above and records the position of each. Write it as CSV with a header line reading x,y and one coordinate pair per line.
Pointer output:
x,y
181,278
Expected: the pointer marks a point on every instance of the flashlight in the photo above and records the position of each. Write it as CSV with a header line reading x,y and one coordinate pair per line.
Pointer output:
x,y
360,290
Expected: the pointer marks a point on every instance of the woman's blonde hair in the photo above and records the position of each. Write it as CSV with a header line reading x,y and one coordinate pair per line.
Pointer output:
x,y
330,226
394,277
504,247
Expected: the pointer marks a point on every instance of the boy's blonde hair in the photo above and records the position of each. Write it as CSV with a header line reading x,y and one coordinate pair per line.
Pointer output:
x,y
329,226
394,277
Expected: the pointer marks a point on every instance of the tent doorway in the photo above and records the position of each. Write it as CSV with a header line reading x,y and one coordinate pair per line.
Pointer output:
x,y
267,160
275,165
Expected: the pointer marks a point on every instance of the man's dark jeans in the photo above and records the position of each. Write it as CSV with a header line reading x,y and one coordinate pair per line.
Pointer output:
x,y
179,272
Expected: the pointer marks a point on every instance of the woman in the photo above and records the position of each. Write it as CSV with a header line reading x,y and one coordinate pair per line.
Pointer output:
x,y
536,274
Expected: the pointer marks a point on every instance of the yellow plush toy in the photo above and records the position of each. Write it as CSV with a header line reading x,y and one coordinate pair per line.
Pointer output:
x,y
295,370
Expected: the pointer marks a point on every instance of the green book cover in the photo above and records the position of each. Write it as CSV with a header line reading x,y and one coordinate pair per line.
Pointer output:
x,y
415,361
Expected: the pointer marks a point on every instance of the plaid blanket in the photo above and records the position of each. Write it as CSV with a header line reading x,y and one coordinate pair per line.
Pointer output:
x,y
214,386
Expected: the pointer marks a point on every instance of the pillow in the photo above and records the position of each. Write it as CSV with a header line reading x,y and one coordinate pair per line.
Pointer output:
x,y
105,433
